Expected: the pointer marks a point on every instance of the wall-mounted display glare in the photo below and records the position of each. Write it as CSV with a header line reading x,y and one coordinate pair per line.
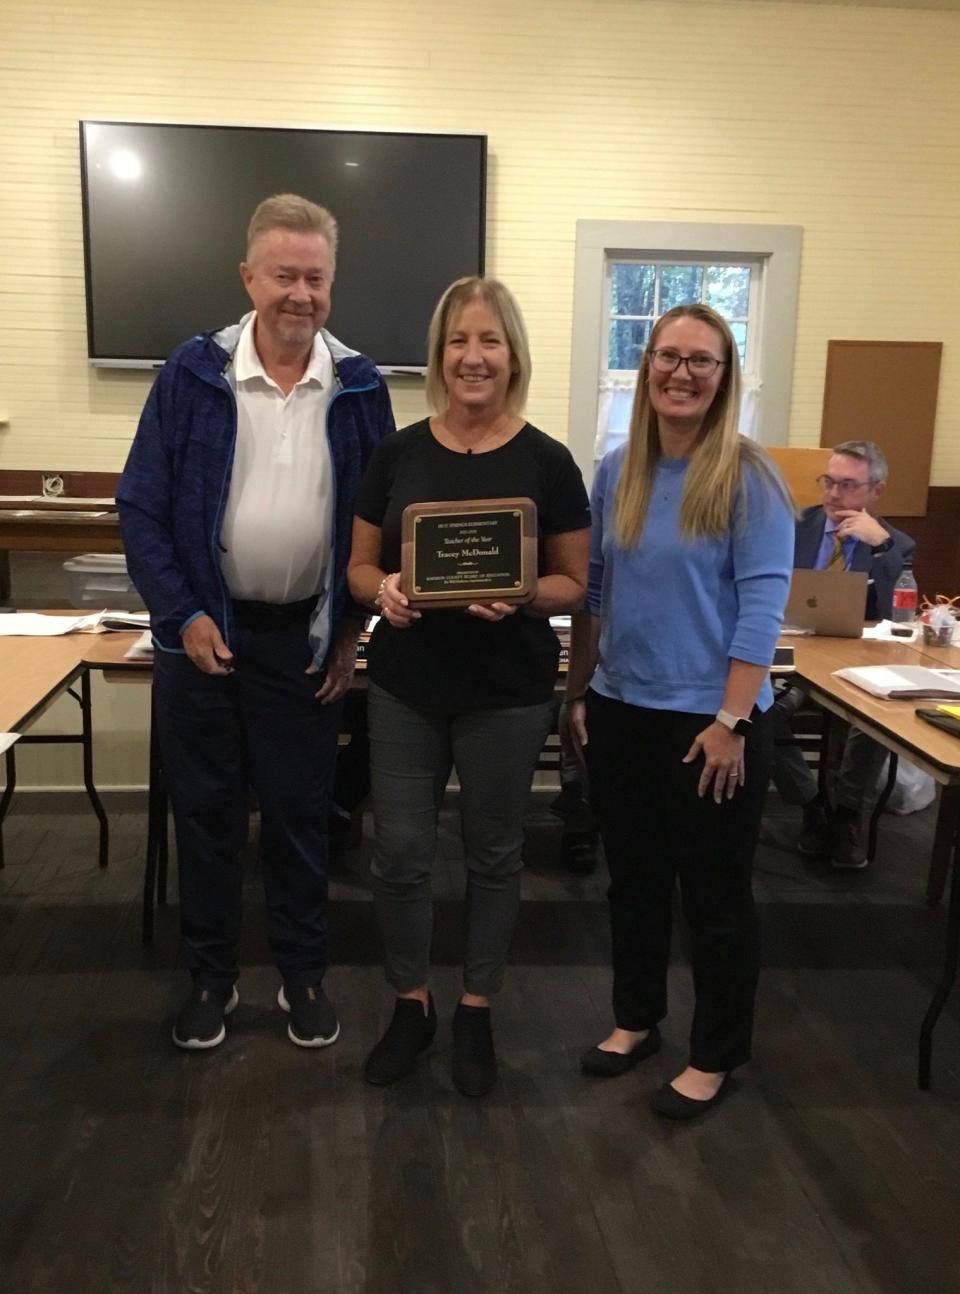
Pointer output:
x,y
165,210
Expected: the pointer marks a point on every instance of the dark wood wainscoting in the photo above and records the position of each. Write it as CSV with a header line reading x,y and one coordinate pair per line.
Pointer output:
x,y
937,537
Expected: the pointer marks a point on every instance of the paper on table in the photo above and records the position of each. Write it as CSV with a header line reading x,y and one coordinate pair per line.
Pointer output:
x,y
884,631
7,739
124,621
142,649
28,624
903,682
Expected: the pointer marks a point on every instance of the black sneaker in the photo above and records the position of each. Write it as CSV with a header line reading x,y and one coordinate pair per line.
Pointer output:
x,y
578,851
199,1025
409,1033
313,1021
474,1060
846,842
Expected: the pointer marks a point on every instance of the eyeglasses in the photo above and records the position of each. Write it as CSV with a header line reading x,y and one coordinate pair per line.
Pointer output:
x,y
846,485
668,361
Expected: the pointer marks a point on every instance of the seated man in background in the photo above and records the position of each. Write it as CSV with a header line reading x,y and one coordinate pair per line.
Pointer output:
x,y
844,531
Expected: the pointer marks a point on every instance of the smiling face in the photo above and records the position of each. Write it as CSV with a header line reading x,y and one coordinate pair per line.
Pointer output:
x,y
680,397
477,361
288,277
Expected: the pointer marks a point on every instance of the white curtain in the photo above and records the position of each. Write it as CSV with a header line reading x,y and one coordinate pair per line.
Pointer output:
x,y
616,401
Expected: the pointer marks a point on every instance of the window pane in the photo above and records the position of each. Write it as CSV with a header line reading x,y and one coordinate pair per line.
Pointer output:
x,y
728,290
679,285
739,331
627,340
631,289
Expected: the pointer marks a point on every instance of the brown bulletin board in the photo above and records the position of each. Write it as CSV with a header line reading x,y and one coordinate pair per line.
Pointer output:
x,y
886,391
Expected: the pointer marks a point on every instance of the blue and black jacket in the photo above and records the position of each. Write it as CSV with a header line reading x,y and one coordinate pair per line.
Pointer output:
x,y
174,488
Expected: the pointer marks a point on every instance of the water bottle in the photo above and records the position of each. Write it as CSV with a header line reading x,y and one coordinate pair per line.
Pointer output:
x,y
905,596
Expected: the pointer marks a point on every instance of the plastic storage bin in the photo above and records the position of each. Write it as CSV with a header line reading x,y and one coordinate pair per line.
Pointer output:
x,y
101,580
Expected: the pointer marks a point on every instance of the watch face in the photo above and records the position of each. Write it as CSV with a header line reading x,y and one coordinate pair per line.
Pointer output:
x,y
741,727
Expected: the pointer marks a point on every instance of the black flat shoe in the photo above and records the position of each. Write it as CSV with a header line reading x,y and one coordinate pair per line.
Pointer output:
x,y
611,1064
671,1104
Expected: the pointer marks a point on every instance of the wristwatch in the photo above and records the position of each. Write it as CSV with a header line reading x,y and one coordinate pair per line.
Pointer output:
x,y
882,548
740,726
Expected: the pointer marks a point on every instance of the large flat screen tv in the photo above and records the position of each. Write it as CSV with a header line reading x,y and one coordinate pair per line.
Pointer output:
x,y
165,210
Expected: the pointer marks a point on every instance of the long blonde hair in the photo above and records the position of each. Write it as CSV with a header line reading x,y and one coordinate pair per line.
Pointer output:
x,y
713,478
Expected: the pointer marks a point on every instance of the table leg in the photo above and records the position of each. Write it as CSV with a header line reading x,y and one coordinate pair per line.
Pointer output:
x,y
948,979
86,710
162,842
824,757
7,796
156,809
948,824
881,804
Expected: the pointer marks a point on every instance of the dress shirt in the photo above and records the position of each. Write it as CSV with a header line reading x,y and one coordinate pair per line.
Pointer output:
x,y
277,526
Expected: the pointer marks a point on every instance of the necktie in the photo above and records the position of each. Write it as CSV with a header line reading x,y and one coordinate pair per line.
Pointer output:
x,y
837,560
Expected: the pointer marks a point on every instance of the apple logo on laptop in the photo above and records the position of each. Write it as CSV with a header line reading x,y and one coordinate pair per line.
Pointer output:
x,y
812,603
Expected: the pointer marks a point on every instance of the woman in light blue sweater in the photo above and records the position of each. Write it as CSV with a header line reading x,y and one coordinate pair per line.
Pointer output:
x,y
669,694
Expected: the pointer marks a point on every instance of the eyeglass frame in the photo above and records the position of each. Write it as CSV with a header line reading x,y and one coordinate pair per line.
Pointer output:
x,y
682,359
845,485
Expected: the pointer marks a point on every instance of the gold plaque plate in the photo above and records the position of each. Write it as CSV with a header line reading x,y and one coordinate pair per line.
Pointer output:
x,y
463,551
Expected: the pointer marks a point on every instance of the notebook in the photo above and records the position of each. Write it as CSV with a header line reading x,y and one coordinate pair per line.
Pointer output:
x,y
903,682
827,602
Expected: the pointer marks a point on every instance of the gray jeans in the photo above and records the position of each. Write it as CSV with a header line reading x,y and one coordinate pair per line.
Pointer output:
x,y
854,785
411,754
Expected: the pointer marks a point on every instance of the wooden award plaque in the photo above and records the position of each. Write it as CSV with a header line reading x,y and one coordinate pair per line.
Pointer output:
x,y
469,550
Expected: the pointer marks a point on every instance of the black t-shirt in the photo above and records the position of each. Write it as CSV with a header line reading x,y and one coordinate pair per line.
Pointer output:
x,y
449,661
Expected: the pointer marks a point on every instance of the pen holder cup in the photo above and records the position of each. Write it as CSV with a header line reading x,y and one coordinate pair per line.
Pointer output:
x,y
937,635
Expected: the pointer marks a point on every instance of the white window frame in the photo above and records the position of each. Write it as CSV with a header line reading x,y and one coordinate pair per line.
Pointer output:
x,y
774,248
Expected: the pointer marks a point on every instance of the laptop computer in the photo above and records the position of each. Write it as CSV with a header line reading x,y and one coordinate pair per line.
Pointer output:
x,y
827,602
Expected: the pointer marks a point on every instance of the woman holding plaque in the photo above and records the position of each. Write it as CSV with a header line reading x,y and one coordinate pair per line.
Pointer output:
x,y
469,688
669,694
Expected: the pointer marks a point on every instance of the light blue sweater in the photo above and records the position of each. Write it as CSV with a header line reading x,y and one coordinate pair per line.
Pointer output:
x,y
673,612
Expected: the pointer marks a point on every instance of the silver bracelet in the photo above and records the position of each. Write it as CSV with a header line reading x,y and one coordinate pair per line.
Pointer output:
x,y
378,600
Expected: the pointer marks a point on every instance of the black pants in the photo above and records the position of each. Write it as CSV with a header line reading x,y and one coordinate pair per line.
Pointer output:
x,y
261,726
655,828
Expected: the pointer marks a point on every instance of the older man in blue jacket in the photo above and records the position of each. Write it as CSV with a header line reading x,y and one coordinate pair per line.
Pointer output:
x,y
844,531
236,507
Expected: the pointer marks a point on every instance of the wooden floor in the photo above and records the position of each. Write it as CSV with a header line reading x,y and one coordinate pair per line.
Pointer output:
x,y
265,1169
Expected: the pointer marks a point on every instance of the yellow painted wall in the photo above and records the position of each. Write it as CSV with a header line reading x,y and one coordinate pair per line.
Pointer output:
x,y
843,120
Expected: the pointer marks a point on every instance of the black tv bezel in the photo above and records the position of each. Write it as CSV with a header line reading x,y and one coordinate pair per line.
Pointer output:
x,y
120,362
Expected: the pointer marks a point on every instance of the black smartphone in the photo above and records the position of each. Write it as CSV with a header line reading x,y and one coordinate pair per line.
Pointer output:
x,y
783,658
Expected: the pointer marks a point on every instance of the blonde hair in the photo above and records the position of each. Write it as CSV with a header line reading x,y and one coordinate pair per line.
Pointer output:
x,y
290,211
713,479
501,303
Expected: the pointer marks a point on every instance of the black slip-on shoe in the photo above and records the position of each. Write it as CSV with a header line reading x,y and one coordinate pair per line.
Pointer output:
x,y
611,1064
410,1032
200,1024
313,1021
474,1064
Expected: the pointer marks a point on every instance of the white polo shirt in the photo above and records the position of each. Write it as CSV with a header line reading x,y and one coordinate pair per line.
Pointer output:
x,y
278,523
